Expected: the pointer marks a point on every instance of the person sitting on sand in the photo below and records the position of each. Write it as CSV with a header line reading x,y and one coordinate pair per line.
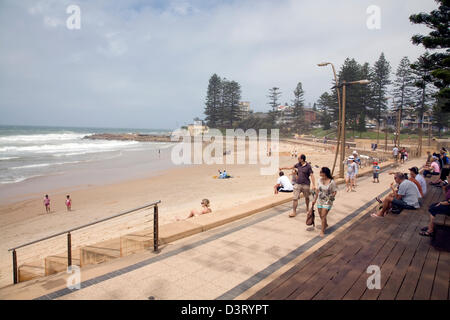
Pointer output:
x,y
68,203
47,203
283,184
204,210
224,175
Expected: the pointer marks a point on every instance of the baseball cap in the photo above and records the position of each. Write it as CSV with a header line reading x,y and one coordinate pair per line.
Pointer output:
x,y
414,169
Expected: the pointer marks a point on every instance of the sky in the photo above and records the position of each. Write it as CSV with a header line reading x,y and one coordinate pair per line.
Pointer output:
x,y
146,64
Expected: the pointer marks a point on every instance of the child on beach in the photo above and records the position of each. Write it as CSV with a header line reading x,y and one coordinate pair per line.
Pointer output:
x,y
376,172
68,203
47,204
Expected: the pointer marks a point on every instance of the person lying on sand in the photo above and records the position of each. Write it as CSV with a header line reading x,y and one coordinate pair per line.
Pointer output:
x,y
204,210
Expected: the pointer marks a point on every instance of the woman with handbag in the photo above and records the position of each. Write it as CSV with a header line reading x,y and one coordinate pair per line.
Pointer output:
x,y
324,196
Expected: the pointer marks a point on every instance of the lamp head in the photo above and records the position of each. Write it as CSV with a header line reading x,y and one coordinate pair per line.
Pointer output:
x,y
323,64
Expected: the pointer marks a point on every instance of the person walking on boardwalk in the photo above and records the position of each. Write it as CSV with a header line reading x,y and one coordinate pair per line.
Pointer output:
x,y
324,196
47,203
350,174
305,176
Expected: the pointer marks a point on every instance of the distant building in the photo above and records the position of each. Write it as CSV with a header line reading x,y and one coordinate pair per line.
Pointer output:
x,y
245,108
285,115
412,122
197,128
311,115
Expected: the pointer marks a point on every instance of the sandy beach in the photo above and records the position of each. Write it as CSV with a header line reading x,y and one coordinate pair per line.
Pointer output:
x,y
179,189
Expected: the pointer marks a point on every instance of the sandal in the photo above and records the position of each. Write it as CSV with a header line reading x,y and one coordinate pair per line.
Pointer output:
x,y
426,234
292,215
424,229
378,199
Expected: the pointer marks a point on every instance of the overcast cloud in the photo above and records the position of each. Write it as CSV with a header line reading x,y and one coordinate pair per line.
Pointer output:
x,y
146,64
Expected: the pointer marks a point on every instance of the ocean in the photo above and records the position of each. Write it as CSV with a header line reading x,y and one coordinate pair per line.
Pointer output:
x,y
29,153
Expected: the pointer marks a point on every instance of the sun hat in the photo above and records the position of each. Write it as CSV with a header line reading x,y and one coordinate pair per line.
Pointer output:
x,y
351,158
354,152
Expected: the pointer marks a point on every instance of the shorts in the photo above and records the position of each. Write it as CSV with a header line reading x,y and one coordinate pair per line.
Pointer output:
x,y
444,173
324,206
280,189
375,175
434,210
301,188
400,205
351,176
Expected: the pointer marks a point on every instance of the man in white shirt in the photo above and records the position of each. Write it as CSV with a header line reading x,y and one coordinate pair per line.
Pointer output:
x,y
283,184
395,153
408,194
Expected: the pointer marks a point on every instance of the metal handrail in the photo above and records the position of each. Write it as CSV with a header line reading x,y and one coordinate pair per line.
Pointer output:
x,y
69,239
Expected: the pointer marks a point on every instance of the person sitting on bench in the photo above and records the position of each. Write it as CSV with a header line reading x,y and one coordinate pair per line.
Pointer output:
x,y
442,207
407,197
433,169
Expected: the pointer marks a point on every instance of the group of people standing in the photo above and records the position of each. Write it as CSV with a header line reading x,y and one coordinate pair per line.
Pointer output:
x,y
400,154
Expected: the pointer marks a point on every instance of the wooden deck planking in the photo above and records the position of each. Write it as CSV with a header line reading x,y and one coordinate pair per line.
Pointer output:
x,y
357,276
410,267
442,278
348,274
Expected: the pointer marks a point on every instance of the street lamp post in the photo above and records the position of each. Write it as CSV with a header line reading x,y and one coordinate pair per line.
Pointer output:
x,y
344,85
386,128
339,127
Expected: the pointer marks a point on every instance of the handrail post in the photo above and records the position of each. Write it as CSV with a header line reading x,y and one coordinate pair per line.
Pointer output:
x,y
155,228
15,275
69,250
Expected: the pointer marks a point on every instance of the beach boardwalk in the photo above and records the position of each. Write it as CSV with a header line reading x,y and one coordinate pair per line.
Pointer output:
x,y
410,268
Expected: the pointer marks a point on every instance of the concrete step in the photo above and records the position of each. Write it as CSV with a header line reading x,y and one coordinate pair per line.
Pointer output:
x,y
136,242
31,271
58,263
100,252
